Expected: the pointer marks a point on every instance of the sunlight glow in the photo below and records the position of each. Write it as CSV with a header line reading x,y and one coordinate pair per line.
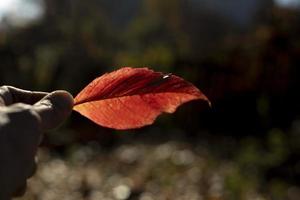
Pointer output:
x,y
288,3
19,12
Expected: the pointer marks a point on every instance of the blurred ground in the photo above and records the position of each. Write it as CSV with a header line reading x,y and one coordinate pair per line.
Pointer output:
x,y
243,54
176,168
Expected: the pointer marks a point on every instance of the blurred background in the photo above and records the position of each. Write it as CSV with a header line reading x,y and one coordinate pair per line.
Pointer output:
x,y
243,54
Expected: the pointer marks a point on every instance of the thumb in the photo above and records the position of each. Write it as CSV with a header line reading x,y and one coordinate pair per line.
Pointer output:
x,y
54,108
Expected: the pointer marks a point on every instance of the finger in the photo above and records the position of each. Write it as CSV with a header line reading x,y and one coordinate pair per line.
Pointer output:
x,y
33,168
23,130
10,95
20,190
54,108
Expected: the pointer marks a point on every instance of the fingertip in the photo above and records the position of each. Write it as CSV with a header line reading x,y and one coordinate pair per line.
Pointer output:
x,y
63,100
55,108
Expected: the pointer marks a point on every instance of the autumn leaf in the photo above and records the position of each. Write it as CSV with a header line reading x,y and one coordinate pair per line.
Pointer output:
x,y
133,97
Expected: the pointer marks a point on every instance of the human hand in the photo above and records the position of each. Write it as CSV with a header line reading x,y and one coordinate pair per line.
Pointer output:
x,y
24,115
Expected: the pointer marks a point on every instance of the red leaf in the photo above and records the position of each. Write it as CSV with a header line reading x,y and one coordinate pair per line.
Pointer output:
x,y
133,97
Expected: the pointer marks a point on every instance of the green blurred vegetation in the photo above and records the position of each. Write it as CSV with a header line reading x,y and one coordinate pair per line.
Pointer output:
x,y
247,146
